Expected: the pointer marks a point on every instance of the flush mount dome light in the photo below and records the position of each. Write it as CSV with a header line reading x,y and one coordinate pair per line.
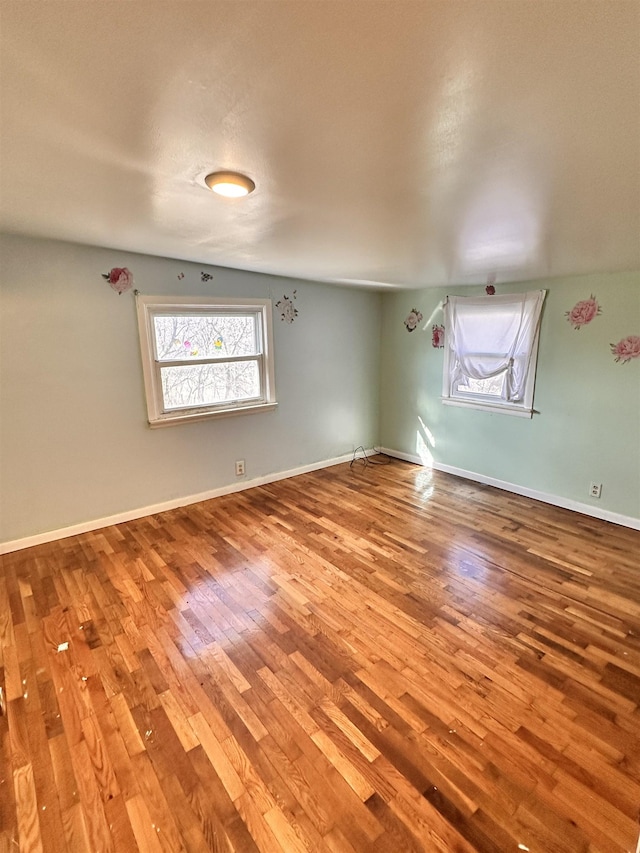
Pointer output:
x,y
230,184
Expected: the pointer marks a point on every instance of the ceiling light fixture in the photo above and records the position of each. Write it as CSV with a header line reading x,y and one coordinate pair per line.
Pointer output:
x,y
230,184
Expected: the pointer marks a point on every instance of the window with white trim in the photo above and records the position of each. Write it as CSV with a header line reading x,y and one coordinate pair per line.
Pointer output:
x,y
491,350
203,358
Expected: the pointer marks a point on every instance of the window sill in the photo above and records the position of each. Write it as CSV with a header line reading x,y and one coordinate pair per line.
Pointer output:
x,y
193,417
496,408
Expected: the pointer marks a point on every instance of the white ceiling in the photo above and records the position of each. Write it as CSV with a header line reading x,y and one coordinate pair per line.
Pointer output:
x,y
393,143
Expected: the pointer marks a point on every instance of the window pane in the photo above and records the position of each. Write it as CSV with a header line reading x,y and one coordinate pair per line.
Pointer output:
x,y
492,386
208,384
205,336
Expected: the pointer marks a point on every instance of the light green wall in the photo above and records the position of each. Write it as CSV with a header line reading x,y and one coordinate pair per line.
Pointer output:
x,y
588,426
74,442
75,446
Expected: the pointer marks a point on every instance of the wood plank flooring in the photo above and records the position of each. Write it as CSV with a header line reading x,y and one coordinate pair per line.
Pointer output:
x,y
382,659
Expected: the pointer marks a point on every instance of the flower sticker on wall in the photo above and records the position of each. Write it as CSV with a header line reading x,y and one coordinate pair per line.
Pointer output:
x,y
437,337
412,319
583,312
288,312
120,279
626,349
490,290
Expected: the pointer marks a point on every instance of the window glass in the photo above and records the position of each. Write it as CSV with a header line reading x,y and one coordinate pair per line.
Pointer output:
x,y
205,357
212,336
206,384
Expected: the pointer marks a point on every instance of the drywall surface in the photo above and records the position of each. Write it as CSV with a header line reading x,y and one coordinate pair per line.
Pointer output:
x,y
587,426
74,440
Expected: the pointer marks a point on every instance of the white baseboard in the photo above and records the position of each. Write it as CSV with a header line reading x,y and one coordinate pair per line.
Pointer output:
x,y
555,500
129,515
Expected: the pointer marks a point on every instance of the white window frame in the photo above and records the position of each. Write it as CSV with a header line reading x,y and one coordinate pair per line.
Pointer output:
x,y
489,402
149,307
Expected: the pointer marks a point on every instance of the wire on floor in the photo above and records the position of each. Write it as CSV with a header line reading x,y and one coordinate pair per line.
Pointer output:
x,y
367,460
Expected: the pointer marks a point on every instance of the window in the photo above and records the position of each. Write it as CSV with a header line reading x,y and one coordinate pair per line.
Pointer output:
x,y
205,357
491,349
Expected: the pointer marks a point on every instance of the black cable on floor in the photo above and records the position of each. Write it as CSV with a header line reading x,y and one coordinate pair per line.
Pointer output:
x,y
366,460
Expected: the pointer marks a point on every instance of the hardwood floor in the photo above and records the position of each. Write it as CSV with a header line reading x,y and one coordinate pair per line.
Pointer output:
x,y
380,659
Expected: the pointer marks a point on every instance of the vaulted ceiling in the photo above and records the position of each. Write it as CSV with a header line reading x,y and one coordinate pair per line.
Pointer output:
x,y
392,143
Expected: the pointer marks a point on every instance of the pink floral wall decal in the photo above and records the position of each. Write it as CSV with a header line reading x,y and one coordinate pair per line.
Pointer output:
x,y
437,337
120,279
490,290
412,319
626,349
583,312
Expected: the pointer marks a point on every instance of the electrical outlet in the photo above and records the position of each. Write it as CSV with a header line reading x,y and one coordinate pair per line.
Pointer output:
x,y
595,490
240,468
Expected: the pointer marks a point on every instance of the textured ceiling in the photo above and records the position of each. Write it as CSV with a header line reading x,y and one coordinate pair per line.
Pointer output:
x,y
398,143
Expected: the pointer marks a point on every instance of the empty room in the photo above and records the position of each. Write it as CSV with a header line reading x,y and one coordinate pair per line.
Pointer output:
x,y
319,426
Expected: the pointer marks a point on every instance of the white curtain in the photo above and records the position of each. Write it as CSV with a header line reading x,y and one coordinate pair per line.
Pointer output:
x,y
490,335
